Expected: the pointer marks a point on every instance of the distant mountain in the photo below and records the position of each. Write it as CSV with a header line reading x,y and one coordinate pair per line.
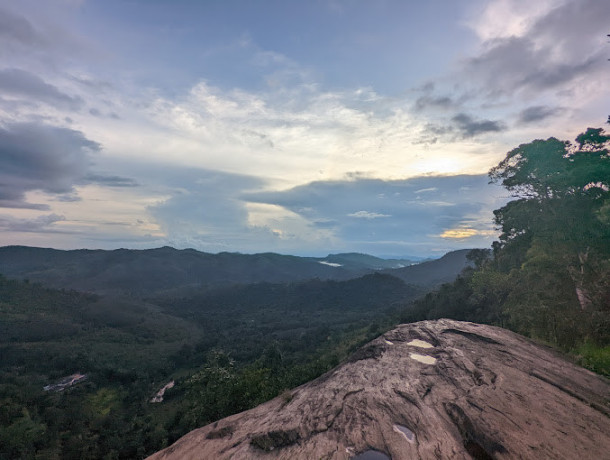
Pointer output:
x,y
434,272
154,271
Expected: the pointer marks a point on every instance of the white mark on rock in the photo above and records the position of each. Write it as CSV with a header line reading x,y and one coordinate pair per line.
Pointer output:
x,y
422,358
405,433
420,344
350,450
388,342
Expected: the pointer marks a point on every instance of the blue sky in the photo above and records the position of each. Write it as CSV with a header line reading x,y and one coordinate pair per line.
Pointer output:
x,y
287,126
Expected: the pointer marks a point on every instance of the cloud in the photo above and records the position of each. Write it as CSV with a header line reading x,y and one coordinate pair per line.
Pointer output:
x,y
412,221
530,52
430,101
538,113
297,134
279,118
516,64
18,82
41,157
302,134
459,233
110,180
470,127
40,224
461,126
14,28
216,211
367,215
204,209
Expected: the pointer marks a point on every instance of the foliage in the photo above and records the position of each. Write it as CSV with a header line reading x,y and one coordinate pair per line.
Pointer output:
x,y
228,350
594,357
549,275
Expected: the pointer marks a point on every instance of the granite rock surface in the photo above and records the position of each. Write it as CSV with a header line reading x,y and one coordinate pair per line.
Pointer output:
x,y
434,389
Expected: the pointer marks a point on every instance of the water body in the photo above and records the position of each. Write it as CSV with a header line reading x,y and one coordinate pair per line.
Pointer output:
x,y
371,455
330,264
405,432
420,344
422,358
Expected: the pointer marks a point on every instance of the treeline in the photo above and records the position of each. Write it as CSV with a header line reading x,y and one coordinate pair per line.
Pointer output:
x,y
548,276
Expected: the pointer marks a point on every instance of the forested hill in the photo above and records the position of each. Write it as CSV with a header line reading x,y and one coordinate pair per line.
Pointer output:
x,y
434,272
548,276
180,272
226,350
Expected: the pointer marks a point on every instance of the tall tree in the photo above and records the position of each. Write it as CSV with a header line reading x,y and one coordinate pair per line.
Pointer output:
x,y
557,231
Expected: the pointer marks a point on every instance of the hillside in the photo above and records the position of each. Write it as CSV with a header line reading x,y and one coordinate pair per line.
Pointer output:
x,y
434,389
178,272
434,272
227,350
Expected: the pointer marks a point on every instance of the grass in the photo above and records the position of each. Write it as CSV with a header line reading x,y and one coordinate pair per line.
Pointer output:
x,y
594,358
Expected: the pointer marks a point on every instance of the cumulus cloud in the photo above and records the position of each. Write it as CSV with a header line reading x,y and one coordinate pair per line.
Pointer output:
x,y
298,134
41,157
21,83
536,58
204,209
216,211
516,64
415,211
529,53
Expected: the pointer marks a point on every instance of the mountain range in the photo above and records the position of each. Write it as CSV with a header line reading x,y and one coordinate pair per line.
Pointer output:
x,y
172,271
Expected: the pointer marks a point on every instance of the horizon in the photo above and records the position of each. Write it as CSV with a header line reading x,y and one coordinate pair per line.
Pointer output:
x,y
407,257
287,127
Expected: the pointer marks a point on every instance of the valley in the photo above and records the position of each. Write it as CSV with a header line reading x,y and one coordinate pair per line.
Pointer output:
x,y
228,343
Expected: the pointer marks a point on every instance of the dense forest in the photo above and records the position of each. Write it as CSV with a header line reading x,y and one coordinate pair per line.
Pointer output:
x,y
231,348
227,350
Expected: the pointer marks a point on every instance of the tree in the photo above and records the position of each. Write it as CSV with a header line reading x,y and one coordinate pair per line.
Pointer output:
x,y
546,169
557,231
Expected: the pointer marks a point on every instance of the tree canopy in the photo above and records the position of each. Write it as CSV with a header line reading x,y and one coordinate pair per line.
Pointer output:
x,y
549,274
546,169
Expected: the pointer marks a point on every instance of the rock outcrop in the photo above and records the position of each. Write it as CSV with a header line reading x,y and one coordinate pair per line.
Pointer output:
x,y
434,389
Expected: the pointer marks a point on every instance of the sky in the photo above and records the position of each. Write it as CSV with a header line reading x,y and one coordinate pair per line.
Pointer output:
x,y
297,127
